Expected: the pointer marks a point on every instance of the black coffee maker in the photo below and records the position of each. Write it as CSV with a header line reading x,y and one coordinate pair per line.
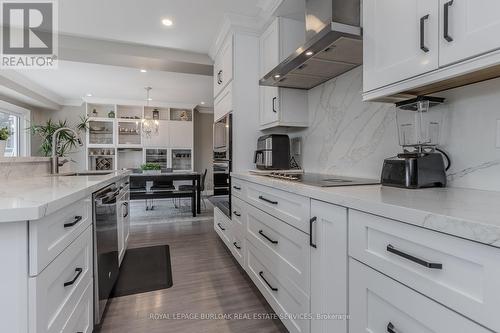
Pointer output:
x,y
421,164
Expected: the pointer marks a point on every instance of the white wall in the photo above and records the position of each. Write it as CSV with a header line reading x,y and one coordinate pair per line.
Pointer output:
x,y
349,137
203,146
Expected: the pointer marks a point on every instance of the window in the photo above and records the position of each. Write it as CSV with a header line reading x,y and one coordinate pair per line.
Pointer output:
x,y
17,121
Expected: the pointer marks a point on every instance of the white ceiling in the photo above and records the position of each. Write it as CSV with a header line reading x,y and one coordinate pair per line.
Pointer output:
x,y
196,22
73,80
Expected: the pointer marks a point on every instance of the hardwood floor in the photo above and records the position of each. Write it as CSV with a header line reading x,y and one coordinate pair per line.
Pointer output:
x,y
207,280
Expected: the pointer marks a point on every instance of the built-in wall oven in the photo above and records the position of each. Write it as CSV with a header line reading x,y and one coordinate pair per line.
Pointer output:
x,y
222,164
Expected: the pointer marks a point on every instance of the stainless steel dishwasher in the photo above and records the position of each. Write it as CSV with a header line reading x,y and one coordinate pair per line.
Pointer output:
x,y
105,246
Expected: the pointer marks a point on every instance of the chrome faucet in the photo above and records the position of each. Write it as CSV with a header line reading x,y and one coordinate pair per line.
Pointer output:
x,y
55,142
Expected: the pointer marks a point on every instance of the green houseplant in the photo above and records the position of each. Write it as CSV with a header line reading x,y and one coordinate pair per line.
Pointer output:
x,y
151,168
4,136
67,143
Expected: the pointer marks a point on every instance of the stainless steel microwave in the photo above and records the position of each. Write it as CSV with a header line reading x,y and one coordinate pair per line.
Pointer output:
x,y
222,138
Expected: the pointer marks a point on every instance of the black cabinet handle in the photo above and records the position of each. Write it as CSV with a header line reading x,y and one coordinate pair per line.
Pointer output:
x,y
78,272
75,221
126,206
274,103
219,77
422,33
237,188
390,328
261,273
446,32
220,226
236,246
419,261
267,200
236,213
266,237
311,222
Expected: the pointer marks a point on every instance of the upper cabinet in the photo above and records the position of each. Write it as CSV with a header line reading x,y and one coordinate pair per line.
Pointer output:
x,y
468,28
223,66
416,47
399,40
281,106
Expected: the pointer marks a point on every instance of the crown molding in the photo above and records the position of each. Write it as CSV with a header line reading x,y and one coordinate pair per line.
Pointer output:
x,y
139,102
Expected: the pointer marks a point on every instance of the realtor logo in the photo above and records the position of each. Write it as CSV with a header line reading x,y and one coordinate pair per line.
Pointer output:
x,y
29,37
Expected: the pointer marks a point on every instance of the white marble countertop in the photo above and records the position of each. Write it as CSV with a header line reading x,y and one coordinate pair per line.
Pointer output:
x,y
32,198
465,213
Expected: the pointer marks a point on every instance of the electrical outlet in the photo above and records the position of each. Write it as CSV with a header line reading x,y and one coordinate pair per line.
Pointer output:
x,y
498,133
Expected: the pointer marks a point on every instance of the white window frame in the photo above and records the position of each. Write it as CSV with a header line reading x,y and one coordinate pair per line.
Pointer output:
x,y
24,122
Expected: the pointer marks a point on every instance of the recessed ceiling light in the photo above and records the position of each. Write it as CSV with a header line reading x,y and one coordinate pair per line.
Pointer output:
x,y
202,103
309,53
89,95
167,22
143,71
149,99
277,76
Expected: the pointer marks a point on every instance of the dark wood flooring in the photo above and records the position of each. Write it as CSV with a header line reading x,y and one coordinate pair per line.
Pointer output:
x,y
207,280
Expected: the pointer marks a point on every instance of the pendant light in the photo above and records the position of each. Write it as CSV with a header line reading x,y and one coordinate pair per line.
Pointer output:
x,y
149,126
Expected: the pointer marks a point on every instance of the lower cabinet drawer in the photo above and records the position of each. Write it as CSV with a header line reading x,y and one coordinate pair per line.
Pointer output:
x,y
82,318
287,247
55,293
285,298
457,273
378,304
50,235
222,225
238,216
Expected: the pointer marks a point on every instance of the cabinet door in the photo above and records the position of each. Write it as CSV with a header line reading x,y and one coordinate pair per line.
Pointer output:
x,y
328,266
223,69
224,103
269,48
468,28
400,40
120,228
160,140
269,105
181,134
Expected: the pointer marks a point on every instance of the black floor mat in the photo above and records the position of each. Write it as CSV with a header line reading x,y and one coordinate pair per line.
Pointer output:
x,y
144,269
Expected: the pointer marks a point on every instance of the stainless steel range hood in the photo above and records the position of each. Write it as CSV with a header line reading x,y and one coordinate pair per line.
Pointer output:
x,y
333,46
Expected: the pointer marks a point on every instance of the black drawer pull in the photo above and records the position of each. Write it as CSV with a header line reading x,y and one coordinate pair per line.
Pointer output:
x,y
220,226
266,237
422,33
419,261
236,213
390,328
78,272
261,273
236,246
311,221
71,224
446,33
237,188
126,206
267,200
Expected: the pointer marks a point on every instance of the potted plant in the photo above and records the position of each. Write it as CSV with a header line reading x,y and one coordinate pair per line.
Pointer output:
x,y
4,135
151,168
67,142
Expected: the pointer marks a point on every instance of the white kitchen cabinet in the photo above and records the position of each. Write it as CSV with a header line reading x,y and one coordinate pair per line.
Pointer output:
x,y
471,28
123,223
379,304
400,40
180,134
328,240
281,106
223,104
223,66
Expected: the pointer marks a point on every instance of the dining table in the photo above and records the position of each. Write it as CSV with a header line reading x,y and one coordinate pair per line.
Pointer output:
x,y
193,176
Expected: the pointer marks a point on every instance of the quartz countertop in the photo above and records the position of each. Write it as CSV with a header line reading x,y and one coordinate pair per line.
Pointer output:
x,y
32,198
465,213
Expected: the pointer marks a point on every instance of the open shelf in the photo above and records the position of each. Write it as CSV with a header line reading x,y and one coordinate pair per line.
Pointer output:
x,y
181,114
150,112
129,112
101,110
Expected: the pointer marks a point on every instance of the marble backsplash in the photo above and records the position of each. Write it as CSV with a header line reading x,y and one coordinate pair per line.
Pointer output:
x,y
349,137
26,167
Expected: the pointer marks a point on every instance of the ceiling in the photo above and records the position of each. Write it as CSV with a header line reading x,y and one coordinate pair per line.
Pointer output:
x,y
73,80
196,22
